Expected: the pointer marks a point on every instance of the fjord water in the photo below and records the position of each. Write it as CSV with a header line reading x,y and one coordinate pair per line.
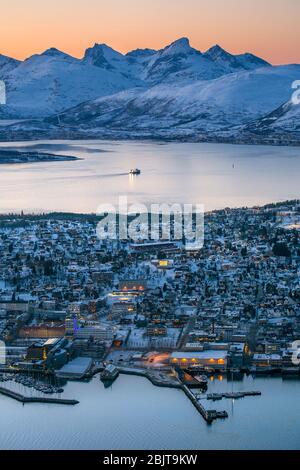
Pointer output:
x,y
134,414
215,175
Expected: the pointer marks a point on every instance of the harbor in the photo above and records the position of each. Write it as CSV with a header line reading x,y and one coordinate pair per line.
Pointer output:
x,y
108,374
117,415
169,379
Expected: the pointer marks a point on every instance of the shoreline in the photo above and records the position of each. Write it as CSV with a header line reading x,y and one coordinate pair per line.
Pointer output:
x,y
67,134
92,215
15,157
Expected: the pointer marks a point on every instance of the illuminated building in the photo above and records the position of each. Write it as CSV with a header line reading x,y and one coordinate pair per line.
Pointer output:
x,y
214,359
132,286
42,331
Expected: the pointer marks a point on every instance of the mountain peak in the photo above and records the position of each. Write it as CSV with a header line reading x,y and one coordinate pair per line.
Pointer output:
x,y
53,52
104,47
217,49
216,52
7,64
141,52
101,55
252,60
180,46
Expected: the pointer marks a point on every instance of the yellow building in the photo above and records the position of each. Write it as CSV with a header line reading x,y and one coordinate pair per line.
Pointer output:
x,y
214,359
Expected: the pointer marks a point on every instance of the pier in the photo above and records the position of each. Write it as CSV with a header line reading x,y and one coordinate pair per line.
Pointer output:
x,y
219,396
208,415
24,399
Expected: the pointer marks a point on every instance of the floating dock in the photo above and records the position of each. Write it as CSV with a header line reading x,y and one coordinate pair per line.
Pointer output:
x,y
219,396
23,399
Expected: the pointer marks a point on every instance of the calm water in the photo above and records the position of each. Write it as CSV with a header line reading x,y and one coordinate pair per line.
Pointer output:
x,y
211,174
133,414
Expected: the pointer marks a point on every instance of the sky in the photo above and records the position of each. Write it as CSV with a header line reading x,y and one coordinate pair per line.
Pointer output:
x,y
268,28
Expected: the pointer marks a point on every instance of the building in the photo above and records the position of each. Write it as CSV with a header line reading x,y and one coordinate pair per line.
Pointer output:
x,y
263,360
42,331
132,286
94,332
156,330
212,359
75,369
154,247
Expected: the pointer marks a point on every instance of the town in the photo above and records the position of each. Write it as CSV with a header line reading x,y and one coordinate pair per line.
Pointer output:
x,y
72,305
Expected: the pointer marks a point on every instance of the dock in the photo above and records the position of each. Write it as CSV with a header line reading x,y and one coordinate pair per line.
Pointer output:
x,y
23,399
219,396
157,378
208,415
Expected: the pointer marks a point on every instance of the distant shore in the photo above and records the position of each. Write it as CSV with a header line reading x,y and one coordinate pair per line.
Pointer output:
x,y
12,157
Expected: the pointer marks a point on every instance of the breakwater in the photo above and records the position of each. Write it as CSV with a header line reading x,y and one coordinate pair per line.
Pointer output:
x,y
24,399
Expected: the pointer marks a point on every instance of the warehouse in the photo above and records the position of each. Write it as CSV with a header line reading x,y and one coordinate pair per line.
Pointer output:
x,y
214,359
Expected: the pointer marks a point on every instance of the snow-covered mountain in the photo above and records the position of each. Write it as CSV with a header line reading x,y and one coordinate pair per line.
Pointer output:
x,y
203,106
283,120
50,82
179,62
175,92
106,58
232,62
53,81
6,65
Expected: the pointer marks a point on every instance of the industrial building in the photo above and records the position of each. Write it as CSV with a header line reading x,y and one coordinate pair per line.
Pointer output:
x,y
214,359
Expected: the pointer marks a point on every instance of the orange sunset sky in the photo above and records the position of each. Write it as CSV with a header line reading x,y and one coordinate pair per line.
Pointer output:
x,y
268,28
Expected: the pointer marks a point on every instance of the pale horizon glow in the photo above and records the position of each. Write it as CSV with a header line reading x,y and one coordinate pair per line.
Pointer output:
x,y
267,28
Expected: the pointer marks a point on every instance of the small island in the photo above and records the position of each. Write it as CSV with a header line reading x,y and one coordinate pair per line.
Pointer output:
x,y
16,156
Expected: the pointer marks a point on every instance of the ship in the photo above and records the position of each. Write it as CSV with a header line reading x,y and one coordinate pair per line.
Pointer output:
x,y
135,171
109,374
191,378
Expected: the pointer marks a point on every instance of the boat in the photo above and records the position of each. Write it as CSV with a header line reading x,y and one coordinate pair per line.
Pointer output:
x,y
109,374
135,171
201,380
189,378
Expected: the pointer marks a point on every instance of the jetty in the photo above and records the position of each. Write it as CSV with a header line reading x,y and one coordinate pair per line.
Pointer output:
x,y
219,396
208,415
24,399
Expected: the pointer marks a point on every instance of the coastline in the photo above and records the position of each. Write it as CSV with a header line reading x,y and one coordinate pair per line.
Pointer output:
x,y
9,136
14,157
92,216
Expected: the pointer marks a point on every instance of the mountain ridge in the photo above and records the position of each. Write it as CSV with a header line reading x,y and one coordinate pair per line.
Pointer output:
x,y
174,92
